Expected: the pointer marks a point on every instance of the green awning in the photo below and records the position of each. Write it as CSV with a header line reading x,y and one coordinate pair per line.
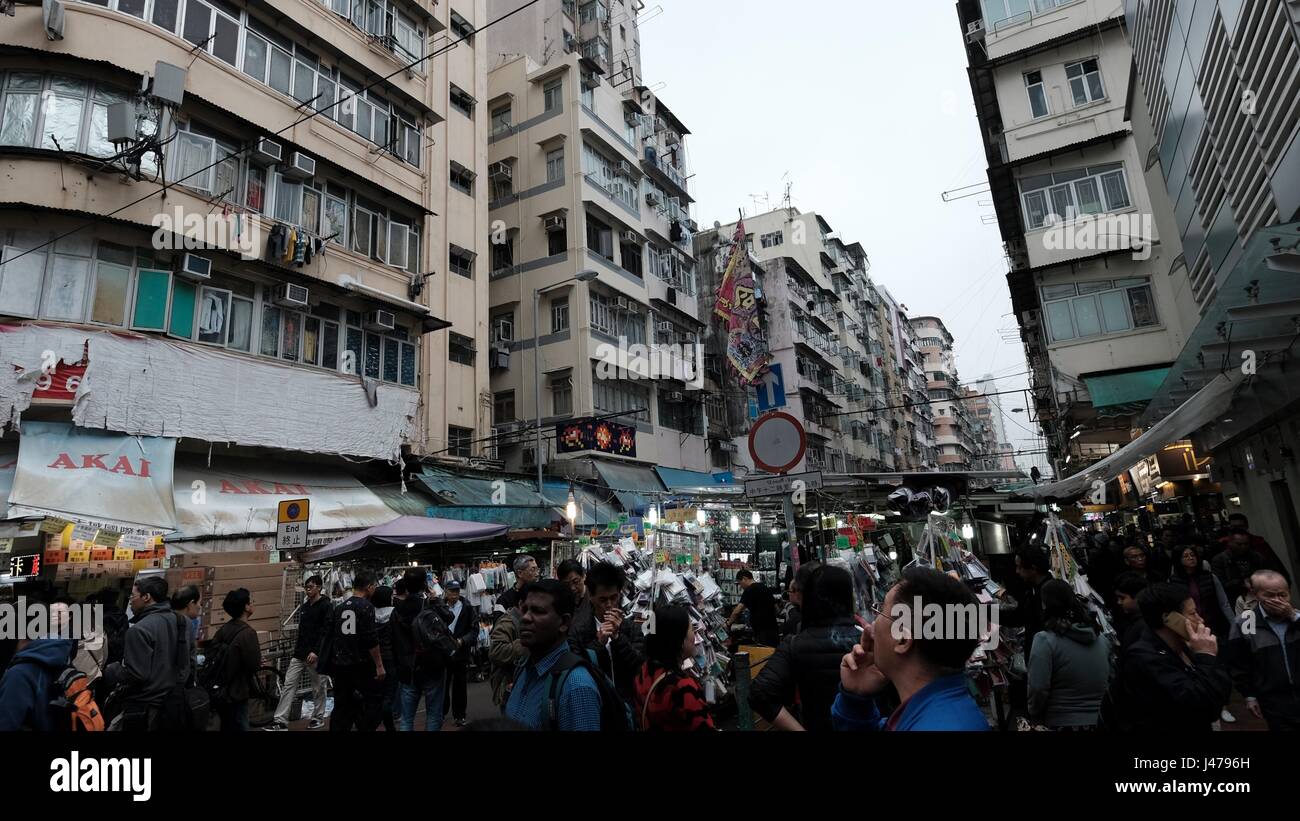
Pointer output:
x,y
474,498
1125,388
635,486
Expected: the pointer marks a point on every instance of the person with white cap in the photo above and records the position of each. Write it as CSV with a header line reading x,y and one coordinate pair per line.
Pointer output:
x,y
464,629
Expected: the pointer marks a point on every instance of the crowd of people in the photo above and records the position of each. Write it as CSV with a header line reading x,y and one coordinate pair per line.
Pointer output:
x,y
1193,618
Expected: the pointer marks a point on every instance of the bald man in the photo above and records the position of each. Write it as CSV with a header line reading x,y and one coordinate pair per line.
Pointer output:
x,y
1264,653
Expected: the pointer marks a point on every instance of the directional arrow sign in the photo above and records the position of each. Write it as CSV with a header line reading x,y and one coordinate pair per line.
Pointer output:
x,y
771,394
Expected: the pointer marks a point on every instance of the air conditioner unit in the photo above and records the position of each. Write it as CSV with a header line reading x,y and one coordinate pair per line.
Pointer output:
x,y
629,236
590,82
674,396
195,267
289,295
624,168
975,32
268,152
380,321
500,171
554,224
672,138
632,118
664,327
621,303
300,167
651,198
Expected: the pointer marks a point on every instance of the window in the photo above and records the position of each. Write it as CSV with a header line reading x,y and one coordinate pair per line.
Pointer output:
x,y
461,350
555,165
1083,310
551,95
1069,194
680,414
631,253
610,396
601,315
600,238
461,261
462,27
462,101
462,179
1037,94
503,407
559,314
503,254
562,395
556,243
772,240
460,442
500,120
1085,81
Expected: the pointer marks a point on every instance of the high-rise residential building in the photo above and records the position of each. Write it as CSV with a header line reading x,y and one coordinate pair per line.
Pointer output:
x,y
989,407
592,234
957,441
1096,268
228,212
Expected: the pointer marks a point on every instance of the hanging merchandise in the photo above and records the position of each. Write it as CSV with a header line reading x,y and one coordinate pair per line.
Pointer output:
x,y
1059,537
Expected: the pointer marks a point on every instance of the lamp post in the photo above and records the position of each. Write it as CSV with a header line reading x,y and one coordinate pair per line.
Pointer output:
x,y
583,276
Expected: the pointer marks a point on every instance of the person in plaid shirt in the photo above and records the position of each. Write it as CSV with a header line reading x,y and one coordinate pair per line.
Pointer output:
x,y
668,698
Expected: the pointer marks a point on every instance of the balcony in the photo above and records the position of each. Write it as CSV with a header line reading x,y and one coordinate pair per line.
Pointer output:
x,y
663,171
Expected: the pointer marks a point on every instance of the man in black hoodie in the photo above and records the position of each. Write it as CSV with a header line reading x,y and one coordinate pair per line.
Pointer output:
x,y
312,618
149,668
598,625
418,675
355,663
243,655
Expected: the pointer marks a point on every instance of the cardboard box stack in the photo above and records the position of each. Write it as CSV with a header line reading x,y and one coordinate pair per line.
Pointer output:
x,y
216,574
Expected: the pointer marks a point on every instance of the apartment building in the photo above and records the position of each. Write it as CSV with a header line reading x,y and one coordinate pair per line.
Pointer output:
x,y
955,439
988,407
1095,270
317,178
592,234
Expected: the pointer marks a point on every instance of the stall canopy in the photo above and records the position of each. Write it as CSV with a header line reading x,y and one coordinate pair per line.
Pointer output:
x,y
1208,404
592,508
106,480
420,531
630,484
1134,387
239,497
500,499
411,500
694,480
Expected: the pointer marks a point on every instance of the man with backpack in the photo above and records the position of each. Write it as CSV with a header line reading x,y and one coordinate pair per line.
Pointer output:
x,y
312,619
29,683
423,649
234,654
150,667
353,660
556,689
505,652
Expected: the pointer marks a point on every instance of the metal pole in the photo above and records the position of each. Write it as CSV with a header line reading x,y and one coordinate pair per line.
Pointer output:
x,y
744,714
537,387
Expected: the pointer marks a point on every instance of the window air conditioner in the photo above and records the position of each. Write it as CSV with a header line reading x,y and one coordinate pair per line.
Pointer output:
x,y
664,327
195,267
554,224
621,303
975,32
289,295
629,236
674,396
651,198
500,172
624,168
381,321
268,152
300,167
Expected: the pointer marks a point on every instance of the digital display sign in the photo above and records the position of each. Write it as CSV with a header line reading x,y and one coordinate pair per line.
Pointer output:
x,y
25,565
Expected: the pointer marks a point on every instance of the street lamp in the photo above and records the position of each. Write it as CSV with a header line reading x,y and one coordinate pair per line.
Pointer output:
x,y
583,276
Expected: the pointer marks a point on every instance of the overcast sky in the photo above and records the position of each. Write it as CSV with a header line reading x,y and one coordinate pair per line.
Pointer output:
x,y
867,108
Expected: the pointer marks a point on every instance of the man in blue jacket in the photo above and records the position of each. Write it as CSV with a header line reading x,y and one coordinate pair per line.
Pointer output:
x,y
926,672
25,687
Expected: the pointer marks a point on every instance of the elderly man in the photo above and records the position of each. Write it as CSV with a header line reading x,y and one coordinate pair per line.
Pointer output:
x,y
526,572
1264,653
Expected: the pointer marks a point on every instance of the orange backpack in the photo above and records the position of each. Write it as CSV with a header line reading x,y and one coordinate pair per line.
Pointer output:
x,y
74,703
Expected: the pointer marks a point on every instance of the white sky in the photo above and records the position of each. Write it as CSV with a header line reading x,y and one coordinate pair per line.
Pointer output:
x,y
867,107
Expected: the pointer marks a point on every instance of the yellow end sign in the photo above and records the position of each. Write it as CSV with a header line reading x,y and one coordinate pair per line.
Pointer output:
x,y
294,510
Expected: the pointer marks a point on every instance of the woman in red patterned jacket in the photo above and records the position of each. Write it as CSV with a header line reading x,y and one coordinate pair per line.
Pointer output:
x,y
668,698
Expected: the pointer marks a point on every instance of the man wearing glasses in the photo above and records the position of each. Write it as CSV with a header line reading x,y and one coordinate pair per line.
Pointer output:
x,y
926,672
1264,653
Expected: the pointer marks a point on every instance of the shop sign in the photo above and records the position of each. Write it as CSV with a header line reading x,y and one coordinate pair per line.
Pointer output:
x,y
680,515
599,435
781,485
1178,462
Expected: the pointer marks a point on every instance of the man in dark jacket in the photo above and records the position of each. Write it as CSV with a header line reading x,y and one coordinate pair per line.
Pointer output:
x,y
806,667
1236,564
599,626
148,671
355,662
417,674
25,687
243,655
1264,653
464,629
312,618
1172,679
1259,544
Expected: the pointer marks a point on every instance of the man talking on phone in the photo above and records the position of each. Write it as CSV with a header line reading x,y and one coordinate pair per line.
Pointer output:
x,y
1172,679
599,627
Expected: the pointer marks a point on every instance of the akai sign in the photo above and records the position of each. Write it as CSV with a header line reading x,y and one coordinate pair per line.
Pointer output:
x,y
81,473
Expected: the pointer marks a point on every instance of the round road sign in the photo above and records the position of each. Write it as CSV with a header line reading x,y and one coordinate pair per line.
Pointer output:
x,y
777,442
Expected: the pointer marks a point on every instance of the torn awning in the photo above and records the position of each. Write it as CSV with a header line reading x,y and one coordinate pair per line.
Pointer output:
x,y
1125,388
592,508
499,499
1210,403
419,531
106,480
240,497
631,484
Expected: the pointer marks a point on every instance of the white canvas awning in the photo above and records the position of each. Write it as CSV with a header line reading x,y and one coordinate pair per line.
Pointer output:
x,y
1210,403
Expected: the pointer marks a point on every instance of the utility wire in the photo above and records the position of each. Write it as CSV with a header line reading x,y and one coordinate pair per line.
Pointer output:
x,y
239,151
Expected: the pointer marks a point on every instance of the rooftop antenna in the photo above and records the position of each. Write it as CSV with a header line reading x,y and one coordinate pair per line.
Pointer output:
x,y
787,202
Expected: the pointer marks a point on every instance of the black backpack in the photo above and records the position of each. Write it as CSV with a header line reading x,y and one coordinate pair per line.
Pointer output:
x,y
434,645
615,715
187,705
212,676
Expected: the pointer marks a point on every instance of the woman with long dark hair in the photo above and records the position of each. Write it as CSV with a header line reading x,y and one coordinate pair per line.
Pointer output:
x,y
1069,665
669,697
798,684
1205,589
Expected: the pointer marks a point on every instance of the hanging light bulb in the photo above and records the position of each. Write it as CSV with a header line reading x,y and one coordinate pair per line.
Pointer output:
x,y
839,523
735,523
652,515
571,509
893,555
701,517
967,531
755,519
773,531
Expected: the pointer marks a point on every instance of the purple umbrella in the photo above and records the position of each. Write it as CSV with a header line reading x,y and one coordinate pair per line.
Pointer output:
x,y
402,531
